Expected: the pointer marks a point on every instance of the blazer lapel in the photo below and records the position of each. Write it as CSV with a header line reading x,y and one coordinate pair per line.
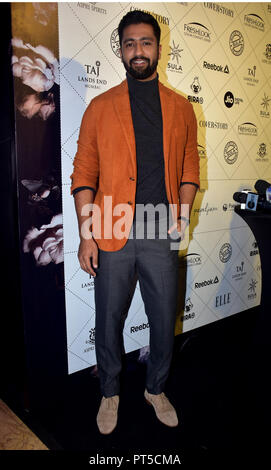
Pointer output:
x,y
123,111
168,110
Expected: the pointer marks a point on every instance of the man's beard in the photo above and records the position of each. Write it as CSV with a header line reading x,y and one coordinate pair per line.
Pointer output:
x,y
141,74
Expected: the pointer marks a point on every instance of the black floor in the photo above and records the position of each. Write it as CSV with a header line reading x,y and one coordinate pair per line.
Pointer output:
x,y
219,384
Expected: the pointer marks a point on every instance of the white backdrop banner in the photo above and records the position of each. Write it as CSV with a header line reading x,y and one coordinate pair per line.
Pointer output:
x,y
219,57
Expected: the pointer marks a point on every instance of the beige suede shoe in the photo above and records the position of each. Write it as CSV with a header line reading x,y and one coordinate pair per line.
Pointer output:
x,y
107,416
163,408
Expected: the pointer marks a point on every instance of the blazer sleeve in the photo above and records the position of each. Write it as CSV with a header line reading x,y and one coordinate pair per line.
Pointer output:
x,y
86,161
191,156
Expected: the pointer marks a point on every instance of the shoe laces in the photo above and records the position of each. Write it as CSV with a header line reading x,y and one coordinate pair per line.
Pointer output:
x,y
162,400
110,403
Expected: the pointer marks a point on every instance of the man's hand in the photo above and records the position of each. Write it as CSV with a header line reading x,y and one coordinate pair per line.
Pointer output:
x,y
88,250
180,227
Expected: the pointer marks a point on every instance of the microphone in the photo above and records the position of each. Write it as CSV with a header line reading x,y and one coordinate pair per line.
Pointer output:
x,y
251,201
264,189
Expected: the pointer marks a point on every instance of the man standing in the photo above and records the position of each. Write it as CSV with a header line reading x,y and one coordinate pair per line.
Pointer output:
x,y
137,147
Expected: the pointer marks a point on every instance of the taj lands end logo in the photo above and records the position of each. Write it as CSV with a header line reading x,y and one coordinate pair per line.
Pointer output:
x,y
225,252
115,42
236,42
231,152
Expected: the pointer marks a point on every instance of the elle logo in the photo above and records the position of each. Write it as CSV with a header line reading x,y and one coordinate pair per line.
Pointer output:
x,y
221,300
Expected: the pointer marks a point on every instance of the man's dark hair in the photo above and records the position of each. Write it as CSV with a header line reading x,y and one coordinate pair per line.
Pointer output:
x,y
136,17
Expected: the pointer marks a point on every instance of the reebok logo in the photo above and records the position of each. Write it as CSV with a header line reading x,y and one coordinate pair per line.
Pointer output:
x,y
216,68
134,329
206,283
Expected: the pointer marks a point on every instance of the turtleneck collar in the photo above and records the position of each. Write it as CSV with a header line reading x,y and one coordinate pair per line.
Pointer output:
x,y
144,86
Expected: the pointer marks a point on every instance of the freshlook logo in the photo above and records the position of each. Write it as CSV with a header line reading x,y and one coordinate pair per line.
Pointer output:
x,y
197,30
121,228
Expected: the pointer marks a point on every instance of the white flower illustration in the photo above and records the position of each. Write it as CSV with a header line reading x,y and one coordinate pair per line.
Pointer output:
x,y
46,243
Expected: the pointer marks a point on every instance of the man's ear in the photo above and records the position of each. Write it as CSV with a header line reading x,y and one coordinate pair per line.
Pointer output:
x,y
159,51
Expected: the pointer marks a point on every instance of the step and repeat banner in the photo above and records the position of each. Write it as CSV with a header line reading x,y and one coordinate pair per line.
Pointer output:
x,y
219,57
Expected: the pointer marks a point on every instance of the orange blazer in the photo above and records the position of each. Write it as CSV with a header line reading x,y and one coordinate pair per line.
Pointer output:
x,y
106,155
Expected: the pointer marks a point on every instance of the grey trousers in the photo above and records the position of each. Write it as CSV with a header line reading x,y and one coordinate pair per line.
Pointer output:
x,y
155,265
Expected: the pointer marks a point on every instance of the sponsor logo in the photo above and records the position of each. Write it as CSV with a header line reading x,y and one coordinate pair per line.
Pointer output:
x,y
206,283
188,313
229,99
196,88
115,42
236,42
231,152
88,285
91,6
247,128
175,55
264,112
252,289
251,79
228,207
187,316
159,18
92,78
134,329
225,252
214,125
192,259
255,250
205,210
219,8
90,340
195,85
188,305
262,150
254,21
197,30
202,151
215,67
239,272
223,299
262,153
93,69
267,54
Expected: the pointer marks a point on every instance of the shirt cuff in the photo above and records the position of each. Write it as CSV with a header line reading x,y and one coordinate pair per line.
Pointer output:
x,y
189,182
76,190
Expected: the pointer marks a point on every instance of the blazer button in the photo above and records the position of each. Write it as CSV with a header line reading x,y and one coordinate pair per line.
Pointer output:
x,y
131,178
130,203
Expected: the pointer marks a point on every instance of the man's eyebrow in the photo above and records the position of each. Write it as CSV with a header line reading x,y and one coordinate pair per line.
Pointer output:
x,y
141,39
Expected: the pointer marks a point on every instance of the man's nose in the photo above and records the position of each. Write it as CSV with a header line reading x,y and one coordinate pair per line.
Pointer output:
x,y
139,48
